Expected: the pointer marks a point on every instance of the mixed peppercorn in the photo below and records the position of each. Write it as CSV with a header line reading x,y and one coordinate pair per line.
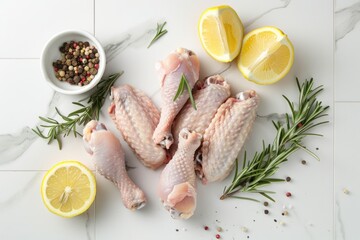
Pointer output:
x,y
79,63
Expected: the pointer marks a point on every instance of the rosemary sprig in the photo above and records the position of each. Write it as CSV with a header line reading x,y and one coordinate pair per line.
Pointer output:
x,y
258,172
160,31
83,115
182,85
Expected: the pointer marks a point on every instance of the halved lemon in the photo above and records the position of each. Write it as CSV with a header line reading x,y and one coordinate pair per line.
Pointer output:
x,y
68,189
221,33
266,56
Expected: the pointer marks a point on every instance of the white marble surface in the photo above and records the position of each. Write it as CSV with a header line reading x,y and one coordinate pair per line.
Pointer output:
x,y
325,35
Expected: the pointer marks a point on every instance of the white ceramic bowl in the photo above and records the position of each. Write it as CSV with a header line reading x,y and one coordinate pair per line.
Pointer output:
x,y
51,53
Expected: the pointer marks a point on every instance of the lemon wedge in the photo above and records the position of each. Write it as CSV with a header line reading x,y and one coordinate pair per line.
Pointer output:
x,y
68,189
266,55
221,32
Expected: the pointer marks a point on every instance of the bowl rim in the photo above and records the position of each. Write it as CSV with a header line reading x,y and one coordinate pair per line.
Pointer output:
x,y
98,76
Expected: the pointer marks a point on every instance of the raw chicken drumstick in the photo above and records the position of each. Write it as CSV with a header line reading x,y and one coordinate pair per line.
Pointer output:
x,y
180,62
208,94
136,117
177,188
226,135
109,160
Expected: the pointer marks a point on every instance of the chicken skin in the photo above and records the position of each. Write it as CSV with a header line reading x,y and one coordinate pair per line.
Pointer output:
x,y
136,117
226,135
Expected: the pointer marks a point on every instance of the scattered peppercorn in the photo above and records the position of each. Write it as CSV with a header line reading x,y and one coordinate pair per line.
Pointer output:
x,y
177,230
219,229
218,236
288,179
303,162
206,228
244,229
317,148
288,194
266,204
79,63
266,211
275,220
346,191
284,213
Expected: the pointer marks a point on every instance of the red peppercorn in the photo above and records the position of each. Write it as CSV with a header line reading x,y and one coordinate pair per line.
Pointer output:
x,y
300,125
75,45
88,74
80,59
83,79
87,56
96,66
218,236
288,194
56,69
206,228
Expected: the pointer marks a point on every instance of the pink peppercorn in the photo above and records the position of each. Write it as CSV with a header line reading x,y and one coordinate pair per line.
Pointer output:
x,y
288,194
96,66
218,236
206,228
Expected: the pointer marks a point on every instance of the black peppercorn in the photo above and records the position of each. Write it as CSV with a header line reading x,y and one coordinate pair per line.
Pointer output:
x,y
76,79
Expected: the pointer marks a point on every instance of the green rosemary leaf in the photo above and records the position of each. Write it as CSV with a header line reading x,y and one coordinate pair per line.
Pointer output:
x,y
59,142
38,132
79,104
236,169
267,196
190,92
180,89
245,198
48,120
274,179
308,151
184,83
62,116
159,33
261,191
